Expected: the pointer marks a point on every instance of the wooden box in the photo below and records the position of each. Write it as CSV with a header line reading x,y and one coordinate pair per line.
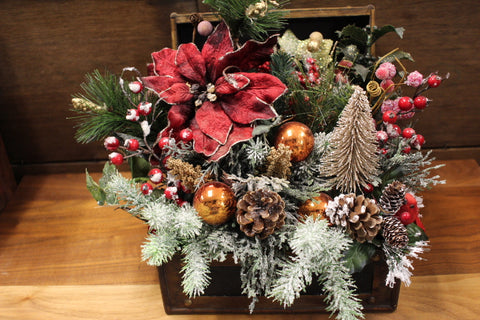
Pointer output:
x,y
224,293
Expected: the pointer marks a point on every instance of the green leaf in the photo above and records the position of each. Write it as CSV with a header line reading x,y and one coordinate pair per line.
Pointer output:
x,y
380,32
415,233
362,71
139,167
96,191
108,171
399,55
354,35
358,255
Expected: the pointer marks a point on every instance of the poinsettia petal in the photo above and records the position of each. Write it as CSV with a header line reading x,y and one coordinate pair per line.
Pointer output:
x,y
201,142
179,115
178,93
254,102
213,121
190,63
159,83
231,83
218,44
164,63
239,133
249,56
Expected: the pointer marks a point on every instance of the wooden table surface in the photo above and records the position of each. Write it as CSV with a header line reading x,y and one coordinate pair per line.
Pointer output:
x,y
63,257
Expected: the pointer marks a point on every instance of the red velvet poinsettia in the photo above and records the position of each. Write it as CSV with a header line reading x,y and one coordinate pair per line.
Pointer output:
x,y
212,94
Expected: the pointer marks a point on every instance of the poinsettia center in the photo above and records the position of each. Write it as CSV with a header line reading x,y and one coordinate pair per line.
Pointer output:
x,y
202,94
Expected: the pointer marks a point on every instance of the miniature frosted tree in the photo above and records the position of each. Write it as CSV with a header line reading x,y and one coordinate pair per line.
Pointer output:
x,y
353,161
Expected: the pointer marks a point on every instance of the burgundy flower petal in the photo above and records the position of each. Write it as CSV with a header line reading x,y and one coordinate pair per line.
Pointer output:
x,y
231,83
218,44
178,93
239,133
250,55
201,142
190,63
213,121
179,115
160,83
254,102
164,63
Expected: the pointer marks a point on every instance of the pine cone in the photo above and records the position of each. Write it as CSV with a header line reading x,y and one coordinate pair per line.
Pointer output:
x,y
393,197
260,213
394,232
359,215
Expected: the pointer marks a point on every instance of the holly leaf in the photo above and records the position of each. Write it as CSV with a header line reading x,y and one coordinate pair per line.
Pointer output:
x,y
398,55
415,233
139,167
362,71
380,32
358,255
96,191
354,35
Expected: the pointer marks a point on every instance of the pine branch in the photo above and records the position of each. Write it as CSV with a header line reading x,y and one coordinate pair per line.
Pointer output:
x,y
399,264
159,249
196,270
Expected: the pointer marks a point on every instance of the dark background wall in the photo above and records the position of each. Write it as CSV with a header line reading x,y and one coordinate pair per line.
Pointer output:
x,y
46,48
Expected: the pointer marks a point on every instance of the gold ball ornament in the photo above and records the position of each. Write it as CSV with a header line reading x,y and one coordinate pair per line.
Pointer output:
x,y
314,46
215,203
298,137
316,36
315,207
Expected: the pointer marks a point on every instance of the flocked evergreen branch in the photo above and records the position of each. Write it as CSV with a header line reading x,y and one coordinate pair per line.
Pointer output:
x,y
318,250
399,261
159,248
196,269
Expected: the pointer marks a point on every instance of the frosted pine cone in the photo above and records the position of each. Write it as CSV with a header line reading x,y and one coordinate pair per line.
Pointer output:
x,y
393,197
359,215
394,232
260,213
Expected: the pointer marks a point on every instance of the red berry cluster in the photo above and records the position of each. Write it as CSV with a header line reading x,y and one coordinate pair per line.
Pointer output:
x,y
312,77
391,131
113,144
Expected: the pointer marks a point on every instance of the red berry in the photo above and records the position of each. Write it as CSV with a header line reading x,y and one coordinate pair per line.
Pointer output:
x,y
390,116
181,202
434,81
164,142
382,136
133,115
368,188
186,135
135,86
111,143
171,193
397,129
132,144
420,139
164,162
144,108
155,175
407,150
384,151
116,158
387,85
406,217
420,102
146,188
408,133
405,103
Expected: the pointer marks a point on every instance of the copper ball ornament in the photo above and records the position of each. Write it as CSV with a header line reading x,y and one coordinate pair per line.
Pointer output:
x,y
215,203
298,137
315,207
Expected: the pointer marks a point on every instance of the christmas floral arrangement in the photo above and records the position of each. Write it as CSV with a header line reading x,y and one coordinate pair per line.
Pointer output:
x,y
295,157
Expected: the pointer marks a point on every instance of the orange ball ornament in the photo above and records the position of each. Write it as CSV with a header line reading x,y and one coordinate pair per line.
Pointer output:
x,y
315,207
298,137
215,203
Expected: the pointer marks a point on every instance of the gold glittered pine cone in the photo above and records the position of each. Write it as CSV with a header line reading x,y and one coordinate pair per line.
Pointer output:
x,y
357,214
393,197
260,213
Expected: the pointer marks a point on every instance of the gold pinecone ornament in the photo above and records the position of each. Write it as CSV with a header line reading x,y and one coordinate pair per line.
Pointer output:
x,y
394,232
260,213
360,216
393,197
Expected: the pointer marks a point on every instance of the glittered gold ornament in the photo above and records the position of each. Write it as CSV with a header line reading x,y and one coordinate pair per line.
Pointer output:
x,y
215,203
315,207
314,46
298,137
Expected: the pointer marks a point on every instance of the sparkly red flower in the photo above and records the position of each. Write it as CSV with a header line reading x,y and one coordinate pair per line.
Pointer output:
x,y
212,94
